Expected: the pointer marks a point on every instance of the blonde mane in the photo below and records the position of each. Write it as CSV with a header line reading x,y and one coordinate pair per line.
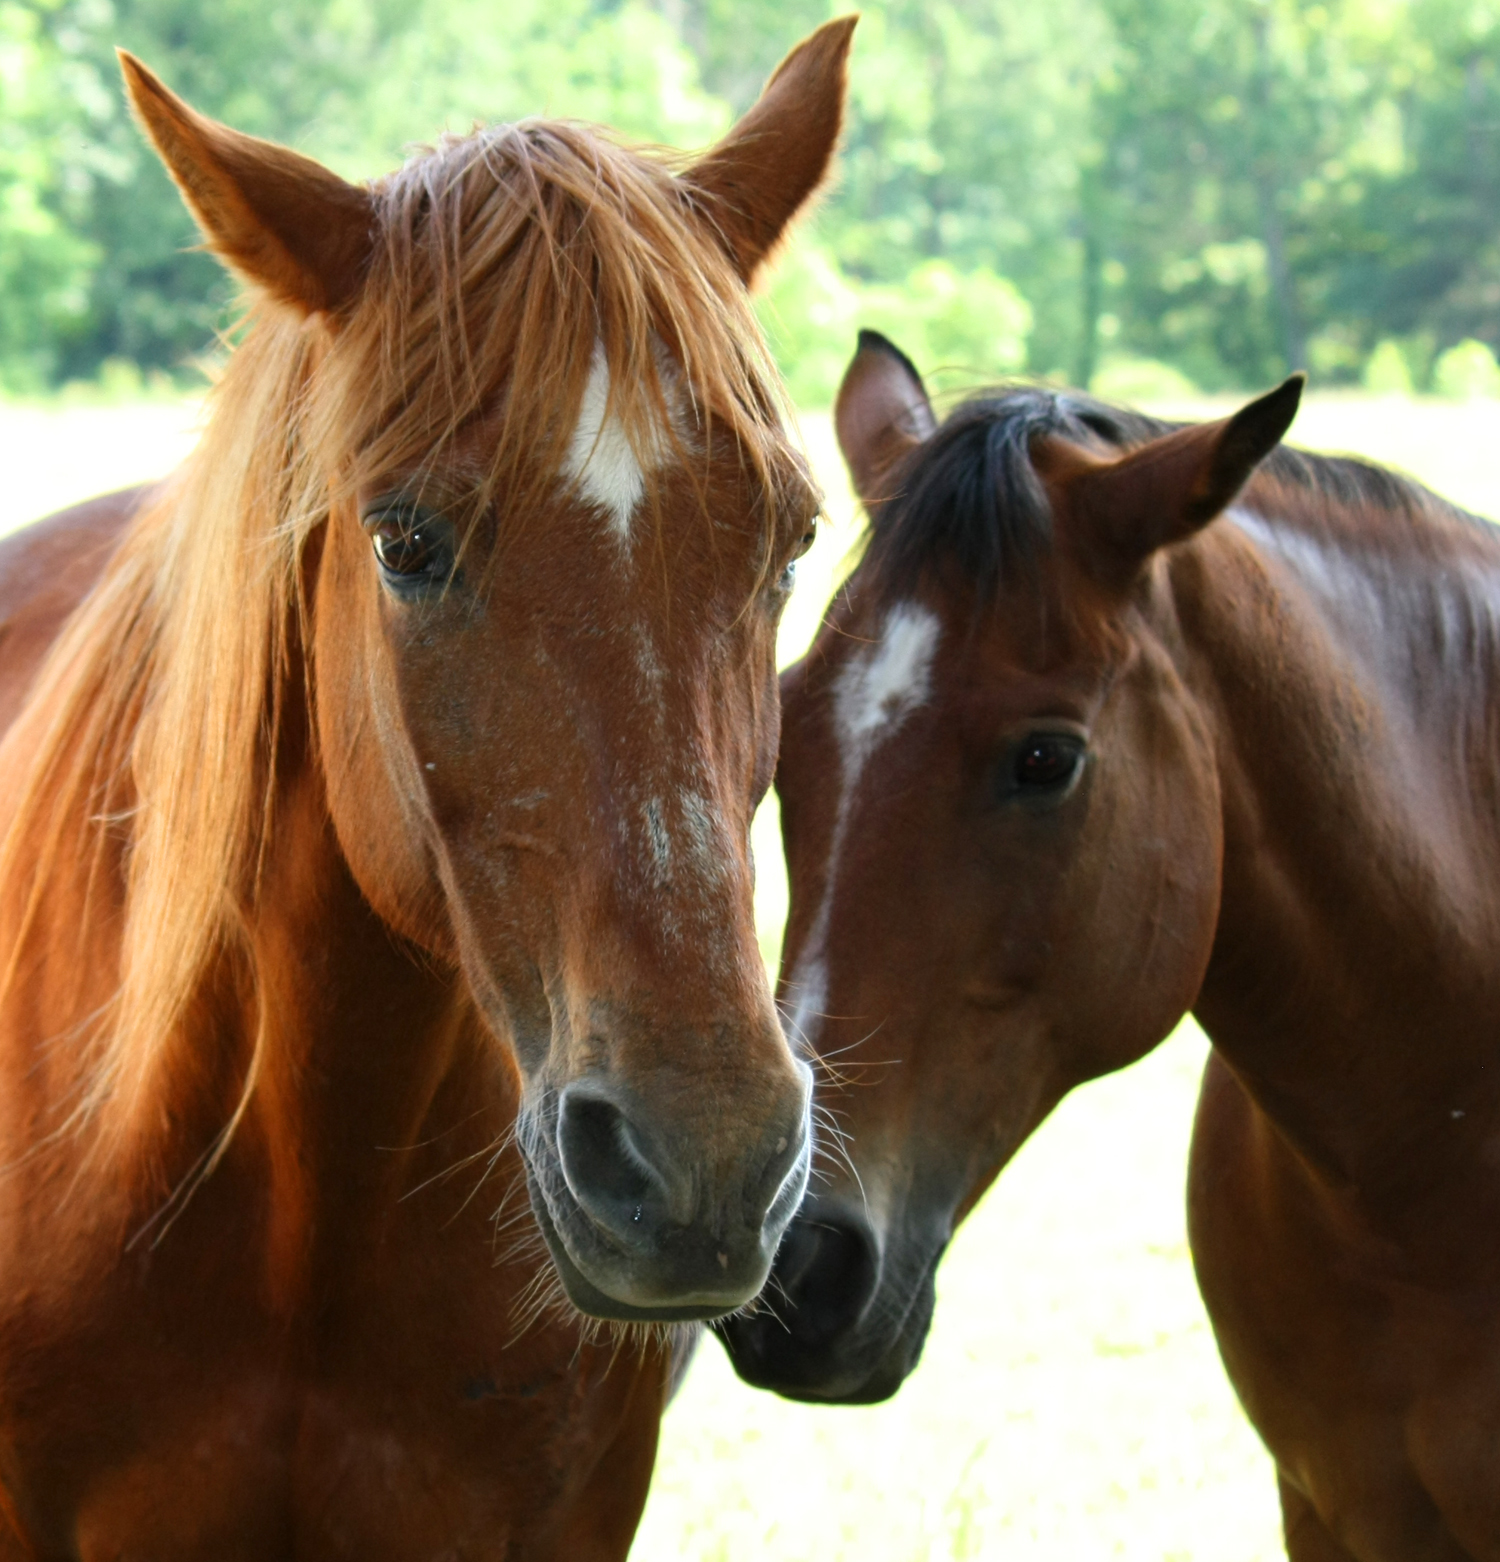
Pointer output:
x,y
145,759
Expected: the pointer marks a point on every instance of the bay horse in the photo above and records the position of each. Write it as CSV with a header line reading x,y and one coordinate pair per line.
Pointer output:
x,y
1116,720
374,803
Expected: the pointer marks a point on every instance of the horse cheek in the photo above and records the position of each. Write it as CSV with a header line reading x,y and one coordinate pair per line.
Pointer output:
x,y
375,794
1166,911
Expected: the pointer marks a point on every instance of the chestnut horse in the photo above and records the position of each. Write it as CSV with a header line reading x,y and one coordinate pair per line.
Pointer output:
x,y
374,852
1113,721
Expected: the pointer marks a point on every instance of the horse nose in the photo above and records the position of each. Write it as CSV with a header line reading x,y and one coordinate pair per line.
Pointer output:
x,y
619,1183
827,1331
637,1192
828,1269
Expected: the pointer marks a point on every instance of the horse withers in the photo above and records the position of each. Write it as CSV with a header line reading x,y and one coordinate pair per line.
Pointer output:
x,y
1113,721
374,853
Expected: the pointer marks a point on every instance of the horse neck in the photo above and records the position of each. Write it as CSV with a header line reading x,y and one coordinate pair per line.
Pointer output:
x,y
1347,664
324,1068
372,1069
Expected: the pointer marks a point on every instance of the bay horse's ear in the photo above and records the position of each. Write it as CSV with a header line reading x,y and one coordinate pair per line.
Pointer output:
x,y
764,171
882,414
281,220
1164,491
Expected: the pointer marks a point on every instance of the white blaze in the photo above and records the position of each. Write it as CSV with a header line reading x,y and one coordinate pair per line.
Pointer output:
x,y
600,462
874,695
877,692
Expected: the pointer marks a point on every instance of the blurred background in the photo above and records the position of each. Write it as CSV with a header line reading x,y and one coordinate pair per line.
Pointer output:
x,y
1171,201
1149,196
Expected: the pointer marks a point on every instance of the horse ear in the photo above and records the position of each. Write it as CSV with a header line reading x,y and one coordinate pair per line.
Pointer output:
x,y
1172,487
881,414
763,172
281,220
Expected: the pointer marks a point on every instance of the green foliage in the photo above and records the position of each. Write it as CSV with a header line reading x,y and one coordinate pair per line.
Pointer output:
x,y
1134,381
1466,372
44,261
971,324
270,68
1227,188
1386,371
969,131
458,64
811,315
349,81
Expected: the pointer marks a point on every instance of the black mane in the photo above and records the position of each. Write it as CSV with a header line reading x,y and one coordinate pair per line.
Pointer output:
x,y
970,499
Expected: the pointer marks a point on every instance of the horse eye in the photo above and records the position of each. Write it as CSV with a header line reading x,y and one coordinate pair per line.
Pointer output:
x,y
1046,762
788,577
413,547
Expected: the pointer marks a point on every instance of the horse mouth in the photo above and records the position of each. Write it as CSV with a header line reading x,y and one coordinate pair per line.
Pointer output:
x,y
805,1377
857,1365
588,1298
631,1236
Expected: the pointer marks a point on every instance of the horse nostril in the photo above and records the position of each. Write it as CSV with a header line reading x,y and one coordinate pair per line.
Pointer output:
x,y
606,1166
827,1270
777,1191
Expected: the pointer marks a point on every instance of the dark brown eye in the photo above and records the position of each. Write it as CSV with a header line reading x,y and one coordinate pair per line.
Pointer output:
x,y
413,547
1046,762
401,551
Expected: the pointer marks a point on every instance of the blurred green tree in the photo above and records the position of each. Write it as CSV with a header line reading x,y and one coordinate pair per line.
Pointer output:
x,y
969,124
1221,189
964,325
1416,251
349,81
45,260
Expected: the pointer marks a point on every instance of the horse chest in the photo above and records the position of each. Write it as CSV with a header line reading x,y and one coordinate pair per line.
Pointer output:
x,y
391,1427
329,1477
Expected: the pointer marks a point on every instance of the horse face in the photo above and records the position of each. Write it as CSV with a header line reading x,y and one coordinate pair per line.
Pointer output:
x,y
545,725
545,741
1003,871
1003,838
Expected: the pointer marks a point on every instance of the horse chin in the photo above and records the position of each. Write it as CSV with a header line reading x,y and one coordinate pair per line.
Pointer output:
x,y
859,1367
588,1298
810,1382
880,1386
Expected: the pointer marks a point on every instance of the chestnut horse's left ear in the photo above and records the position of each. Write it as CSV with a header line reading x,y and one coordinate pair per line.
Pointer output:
x,y
281,220
765,170
1166,490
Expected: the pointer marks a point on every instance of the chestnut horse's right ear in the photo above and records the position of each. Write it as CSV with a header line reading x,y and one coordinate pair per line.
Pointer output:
x,y
881,414
770,164
1164,491
281,220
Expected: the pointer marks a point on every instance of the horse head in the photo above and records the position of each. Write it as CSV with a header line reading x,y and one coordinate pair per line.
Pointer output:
x,y
1002,826
527,446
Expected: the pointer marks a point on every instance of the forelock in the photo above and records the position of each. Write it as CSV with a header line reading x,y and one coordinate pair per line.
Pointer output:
x,y
506,262
970,500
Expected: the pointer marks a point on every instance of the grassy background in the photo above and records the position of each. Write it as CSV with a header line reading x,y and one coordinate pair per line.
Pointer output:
x,y
1070,1403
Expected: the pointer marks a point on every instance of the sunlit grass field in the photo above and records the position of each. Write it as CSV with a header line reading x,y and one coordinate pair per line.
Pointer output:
x,y
1070,1404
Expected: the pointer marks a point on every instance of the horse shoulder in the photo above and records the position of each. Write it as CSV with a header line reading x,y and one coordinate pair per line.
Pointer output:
x,y
1374,1393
